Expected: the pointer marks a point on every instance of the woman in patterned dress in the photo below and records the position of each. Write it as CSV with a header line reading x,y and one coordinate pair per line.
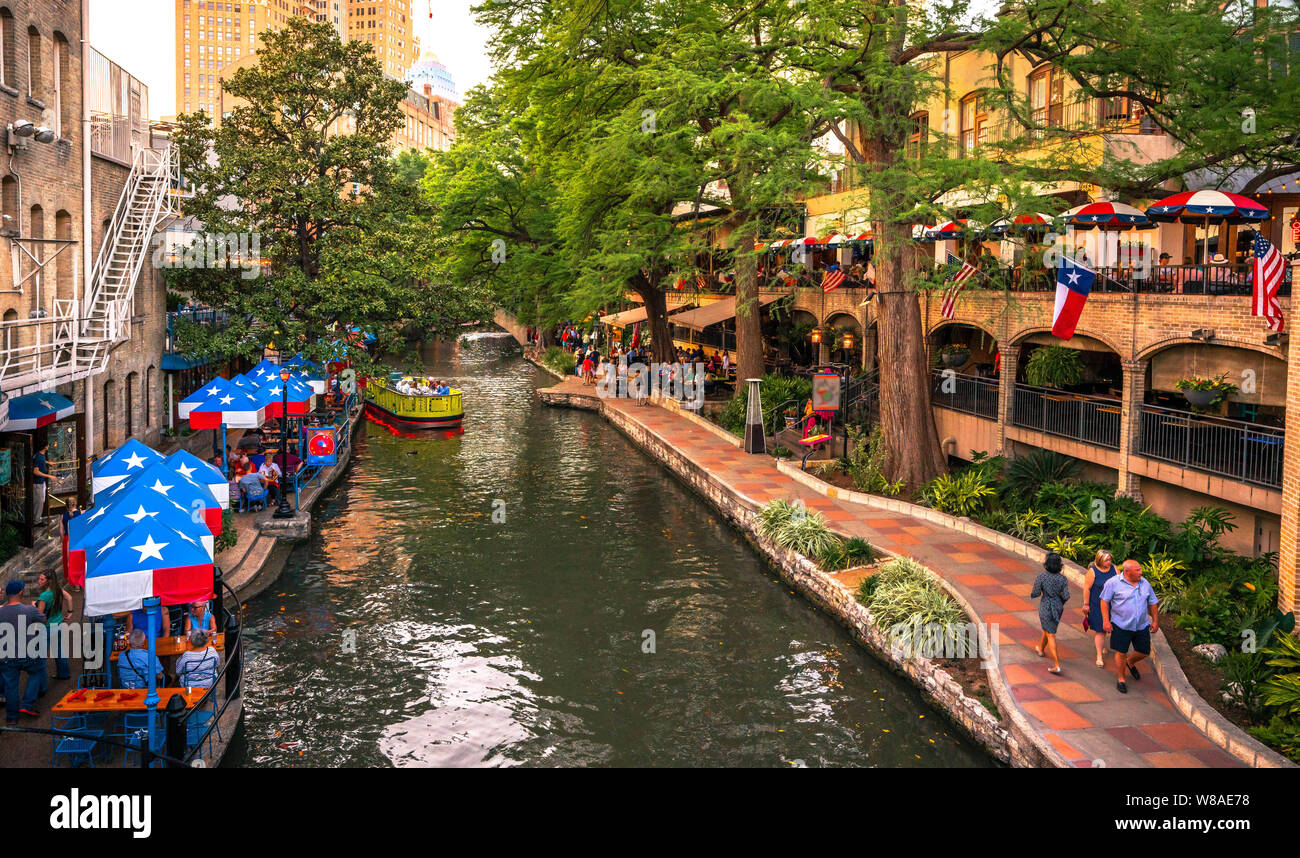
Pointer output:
x,y
1054,590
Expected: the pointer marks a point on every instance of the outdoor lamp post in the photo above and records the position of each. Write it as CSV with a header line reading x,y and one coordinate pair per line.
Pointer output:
x,y
816,335
283,510
848,341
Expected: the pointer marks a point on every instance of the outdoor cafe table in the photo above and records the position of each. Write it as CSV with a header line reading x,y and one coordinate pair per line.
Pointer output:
x,y
177,645
88,703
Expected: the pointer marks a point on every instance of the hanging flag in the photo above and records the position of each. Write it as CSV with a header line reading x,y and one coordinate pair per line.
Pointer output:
x,y
636,336
786,277
702,282
1267,272
832,279
948,307
1073,283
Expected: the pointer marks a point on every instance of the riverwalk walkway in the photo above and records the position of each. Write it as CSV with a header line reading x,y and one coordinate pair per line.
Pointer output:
x,y
1080,712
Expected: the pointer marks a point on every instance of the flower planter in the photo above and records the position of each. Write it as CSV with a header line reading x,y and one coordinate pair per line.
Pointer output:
x,y
1201,398
955,359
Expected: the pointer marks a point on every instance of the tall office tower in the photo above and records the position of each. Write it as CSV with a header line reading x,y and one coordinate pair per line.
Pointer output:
x,y
212,35
389,27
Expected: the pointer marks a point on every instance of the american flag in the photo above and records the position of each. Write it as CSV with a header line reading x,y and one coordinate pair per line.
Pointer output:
x,y
949,306
786,277
1266,274
833,279
702,282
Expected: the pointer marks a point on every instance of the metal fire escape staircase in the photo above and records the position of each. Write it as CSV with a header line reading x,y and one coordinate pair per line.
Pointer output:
x,y
75,340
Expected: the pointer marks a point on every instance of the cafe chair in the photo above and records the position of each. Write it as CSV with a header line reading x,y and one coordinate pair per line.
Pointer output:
x,y
252,499
134,731
85,744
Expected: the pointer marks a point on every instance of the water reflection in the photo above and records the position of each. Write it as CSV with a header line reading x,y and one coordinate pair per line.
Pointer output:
x,y
524,642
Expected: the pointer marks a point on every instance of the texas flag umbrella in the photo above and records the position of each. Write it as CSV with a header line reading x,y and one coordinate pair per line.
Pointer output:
x,y
305,370
216,387
149,558
131,505
126,461
300,395
234,408
264,372
1073,283
204,473
198,501
36,410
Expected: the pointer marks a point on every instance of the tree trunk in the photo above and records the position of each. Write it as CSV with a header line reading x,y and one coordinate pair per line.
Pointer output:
x,y
656,307
912,452
749,323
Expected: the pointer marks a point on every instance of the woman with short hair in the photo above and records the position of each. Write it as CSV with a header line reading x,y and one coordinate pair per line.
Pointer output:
x,y
1053,591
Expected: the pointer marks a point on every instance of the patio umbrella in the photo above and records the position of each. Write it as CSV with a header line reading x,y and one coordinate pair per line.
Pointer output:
x,y
126,461
1033,220
191,494
1106,216
204,473
1207,207
305,370
301,397
214,387
921,232
91,530
234,408
36,410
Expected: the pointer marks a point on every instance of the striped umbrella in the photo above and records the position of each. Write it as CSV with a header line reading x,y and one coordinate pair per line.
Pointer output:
x,y
271,394
36,410
152,557
123,463
217,386
1033,220
921,232
1106,215
1207,207
835,240
237,409
952,230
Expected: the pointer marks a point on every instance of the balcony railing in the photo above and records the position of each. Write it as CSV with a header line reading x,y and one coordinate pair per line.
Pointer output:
x,y
1084,116
968,394
1156,279
1241,451
1069,415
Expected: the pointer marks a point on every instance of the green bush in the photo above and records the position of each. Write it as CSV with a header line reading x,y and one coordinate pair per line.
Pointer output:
x,y
963,493
1028,472
773,390
229,537
865,459
846,554
904,593
1282,691
1054,366
559,360
1244,676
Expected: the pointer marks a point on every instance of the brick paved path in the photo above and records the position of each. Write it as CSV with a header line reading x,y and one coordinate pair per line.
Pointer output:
x,y
1079,712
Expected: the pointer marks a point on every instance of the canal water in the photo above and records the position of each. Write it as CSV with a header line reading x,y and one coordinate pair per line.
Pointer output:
x,y
538,592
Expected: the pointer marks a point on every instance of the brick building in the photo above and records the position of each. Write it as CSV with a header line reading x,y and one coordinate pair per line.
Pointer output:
x,y
71,320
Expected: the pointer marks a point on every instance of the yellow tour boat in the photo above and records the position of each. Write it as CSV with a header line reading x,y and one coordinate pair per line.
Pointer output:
x,y
417,411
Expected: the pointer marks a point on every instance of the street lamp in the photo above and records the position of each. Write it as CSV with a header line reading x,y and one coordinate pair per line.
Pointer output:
x,y
816,335
848,341
283,510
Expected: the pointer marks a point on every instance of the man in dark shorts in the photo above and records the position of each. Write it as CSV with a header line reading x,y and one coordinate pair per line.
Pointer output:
x,y
1130,611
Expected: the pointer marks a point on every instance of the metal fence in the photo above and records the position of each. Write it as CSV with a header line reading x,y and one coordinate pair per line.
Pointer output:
x,y
1229,280
1069,415
968,394
1242,451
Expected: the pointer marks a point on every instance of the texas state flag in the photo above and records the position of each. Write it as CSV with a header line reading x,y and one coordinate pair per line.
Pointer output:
x,y
1073,283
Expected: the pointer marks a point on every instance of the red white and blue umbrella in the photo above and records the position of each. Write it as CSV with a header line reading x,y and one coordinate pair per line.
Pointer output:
x,y
213,388
949,230
1033,220
198,501
127,461
204,473
1106,215
131,505
36,410
301,397
1216,206
235,408
149,558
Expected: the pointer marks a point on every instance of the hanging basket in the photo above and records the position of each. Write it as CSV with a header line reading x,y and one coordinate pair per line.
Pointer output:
x,y
1201,398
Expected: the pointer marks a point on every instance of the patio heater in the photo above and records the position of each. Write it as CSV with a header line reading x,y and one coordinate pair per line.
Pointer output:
x,y
283,510
755,441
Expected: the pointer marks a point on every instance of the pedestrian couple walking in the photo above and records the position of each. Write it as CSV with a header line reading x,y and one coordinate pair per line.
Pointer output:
x,y
1121,605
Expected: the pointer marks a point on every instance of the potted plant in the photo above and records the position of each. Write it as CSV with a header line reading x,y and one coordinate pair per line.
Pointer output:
x,y
1204,392
954,355
1054,366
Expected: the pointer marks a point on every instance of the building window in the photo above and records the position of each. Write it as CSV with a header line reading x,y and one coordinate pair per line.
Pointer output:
x,y
34,76
63,125
1047,97
974,119
7,75
920,136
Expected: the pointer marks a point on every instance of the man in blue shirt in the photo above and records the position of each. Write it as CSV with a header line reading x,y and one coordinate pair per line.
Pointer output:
x,y
1130,612
28,620
133,665
40,481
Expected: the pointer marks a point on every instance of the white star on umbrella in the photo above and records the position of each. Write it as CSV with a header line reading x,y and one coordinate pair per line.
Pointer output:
x,y
275,391
213,391
186,471
135,460
139,514
226,400
106,546
160,488
47,403
97,513
150,549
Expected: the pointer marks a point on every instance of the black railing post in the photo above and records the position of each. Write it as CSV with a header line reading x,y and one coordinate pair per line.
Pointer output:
x,y
218,600
234,657
175,725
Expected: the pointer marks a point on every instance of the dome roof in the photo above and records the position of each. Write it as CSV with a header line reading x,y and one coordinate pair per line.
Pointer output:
x,y
430,70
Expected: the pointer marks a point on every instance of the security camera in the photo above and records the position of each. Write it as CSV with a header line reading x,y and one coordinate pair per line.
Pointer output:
x,y
45,135
23,128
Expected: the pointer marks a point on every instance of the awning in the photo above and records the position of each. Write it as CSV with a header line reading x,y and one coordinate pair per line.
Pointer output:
x,y
631,317
721,311
37,409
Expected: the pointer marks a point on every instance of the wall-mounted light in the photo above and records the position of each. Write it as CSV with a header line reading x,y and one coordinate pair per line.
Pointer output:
x,y
1203,334
848,340
816,335
23,128
45,135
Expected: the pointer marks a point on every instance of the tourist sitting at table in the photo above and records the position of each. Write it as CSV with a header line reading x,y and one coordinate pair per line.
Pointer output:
x,y
251,485
197,667
135,621
133,666
200,618
255,460
270,474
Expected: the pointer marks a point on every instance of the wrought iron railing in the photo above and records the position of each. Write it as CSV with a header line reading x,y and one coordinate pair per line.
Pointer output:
x,y
1239,450
968,394
1069,415
1143,278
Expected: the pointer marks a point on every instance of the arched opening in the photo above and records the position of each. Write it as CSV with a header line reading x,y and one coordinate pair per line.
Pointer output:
x,y
792,332
966,364
35,71
37,231
1071,389
844,336
64,120
150,379
8,67
64,286
108,406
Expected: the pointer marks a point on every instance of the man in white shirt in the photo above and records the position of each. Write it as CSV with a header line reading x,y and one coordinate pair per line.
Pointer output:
x,y
270,472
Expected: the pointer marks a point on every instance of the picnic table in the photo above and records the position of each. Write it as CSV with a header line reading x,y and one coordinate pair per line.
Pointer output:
x,y
177,645
84,700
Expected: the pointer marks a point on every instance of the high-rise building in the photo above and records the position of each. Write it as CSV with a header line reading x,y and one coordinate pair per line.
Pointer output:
x,y
430,71
389,26
213,36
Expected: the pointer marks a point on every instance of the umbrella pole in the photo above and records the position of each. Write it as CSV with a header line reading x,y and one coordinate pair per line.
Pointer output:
x,y
151,608
225,450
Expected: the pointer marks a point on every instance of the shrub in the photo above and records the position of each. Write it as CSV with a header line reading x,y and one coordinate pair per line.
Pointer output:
x,y
846,554
1028,472
1167,577
964,493
1244,675
229,533
904,593
792,526
773,391
559,360
1282,691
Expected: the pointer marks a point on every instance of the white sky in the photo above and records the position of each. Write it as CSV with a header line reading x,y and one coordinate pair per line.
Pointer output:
x,y
139,36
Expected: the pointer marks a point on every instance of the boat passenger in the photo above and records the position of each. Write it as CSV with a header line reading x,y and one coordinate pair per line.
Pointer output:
x,y
443,389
